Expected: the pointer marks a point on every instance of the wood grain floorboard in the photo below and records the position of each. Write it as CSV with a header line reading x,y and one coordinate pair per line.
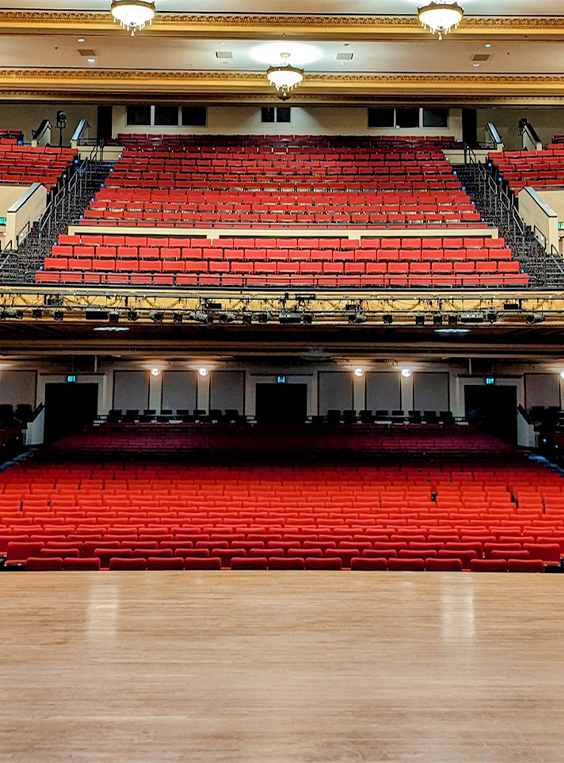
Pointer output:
x,y
285,667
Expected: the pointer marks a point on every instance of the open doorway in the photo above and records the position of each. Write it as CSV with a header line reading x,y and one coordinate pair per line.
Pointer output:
x,y
281,403
493,410
68,409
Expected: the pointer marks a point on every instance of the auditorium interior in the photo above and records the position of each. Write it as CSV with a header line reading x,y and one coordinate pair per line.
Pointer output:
x,y
281,303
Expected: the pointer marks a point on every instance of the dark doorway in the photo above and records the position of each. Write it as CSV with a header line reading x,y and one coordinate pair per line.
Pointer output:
x,y
281,403
105,126
493,410
470,127
68,409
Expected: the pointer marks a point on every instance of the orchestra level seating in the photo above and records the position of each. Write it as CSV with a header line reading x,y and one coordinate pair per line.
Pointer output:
x,y
403,498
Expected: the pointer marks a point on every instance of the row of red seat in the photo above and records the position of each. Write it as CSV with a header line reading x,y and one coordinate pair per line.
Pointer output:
x,y
41,564
542,169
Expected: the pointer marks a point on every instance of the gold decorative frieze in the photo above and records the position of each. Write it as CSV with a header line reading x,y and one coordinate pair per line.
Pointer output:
x,y
298,26
122,82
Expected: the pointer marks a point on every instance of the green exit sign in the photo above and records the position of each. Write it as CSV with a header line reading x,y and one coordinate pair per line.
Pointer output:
x,y
3,220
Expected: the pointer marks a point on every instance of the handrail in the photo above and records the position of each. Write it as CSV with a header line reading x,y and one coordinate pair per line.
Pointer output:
x,y
470,155
78,134
43,131
491,129
530,133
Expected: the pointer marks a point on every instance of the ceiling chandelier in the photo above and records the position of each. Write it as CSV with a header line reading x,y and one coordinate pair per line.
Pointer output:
x,y
440,17
284,77
133,14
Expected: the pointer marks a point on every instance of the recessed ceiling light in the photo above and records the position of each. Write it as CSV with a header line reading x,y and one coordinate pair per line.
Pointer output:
x,y
222,43
346,44
81,39
475,65
488,45
91,60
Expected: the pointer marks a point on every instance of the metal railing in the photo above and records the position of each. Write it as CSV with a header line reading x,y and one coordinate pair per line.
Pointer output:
x,y
498,208
34,242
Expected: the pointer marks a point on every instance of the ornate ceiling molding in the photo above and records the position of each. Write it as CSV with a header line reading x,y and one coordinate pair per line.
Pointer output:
x,y
299,26
178,84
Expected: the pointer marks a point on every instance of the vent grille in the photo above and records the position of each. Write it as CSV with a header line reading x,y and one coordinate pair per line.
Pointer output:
x,y
223,54
86,53
481,57
344,56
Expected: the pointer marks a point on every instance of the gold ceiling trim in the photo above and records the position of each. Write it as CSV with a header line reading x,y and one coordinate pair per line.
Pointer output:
x,y
311,26
84,82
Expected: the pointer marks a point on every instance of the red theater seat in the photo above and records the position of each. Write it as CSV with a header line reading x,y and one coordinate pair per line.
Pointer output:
x,y
42,564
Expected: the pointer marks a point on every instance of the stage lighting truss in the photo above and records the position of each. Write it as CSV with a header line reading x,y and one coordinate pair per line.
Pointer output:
x,y
428,313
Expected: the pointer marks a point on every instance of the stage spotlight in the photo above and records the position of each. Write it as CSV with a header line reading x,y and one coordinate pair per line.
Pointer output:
x,y
358,372
406,373
437,320
307,318
114,317
133,316
287,318
247,318
452,320
534,318
263,317
420,320
177,318
37,313
357,318
492,316
156,371
157,317
58,315
202,317
227,318
388,319
203,371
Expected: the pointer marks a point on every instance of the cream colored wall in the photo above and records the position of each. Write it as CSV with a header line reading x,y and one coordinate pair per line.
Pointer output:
x,y
28,117
8,195
310,120
546,121
536,208
27,209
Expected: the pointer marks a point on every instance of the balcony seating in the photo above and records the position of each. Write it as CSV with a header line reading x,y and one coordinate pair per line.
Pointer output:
x,y
283,261
24,165
538,169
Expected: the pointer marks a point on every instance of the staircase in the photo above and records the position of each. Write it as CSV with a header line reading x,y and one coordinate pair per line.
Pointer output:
x,y
545,270
19,266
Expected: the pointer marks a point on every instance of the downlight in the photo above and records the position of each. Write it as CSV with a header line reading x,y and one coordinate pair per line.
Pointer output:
x,y
406,373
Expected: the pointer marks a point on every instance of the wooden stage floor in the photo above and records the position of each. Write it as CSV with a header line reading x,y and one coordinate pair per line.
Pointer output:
x,y
284,667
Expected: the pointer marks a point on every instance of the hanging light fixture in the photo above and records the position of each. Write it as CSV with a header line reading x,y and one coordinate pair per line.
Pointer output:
x,y
284,77
440,17
133,14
